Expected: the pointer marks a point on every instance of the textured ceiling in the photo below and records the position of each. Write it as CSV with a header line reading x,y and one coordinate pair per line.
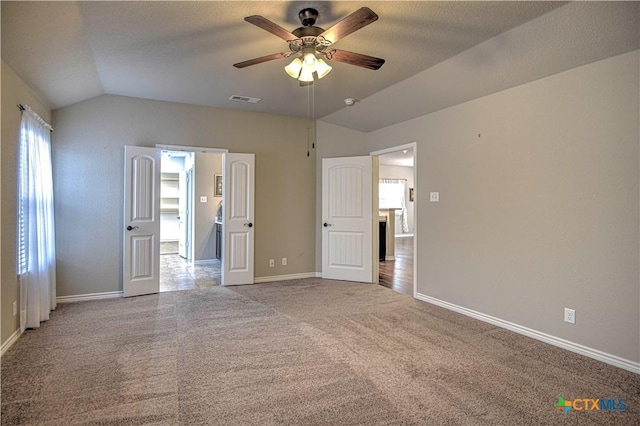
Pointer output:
x,y
437,53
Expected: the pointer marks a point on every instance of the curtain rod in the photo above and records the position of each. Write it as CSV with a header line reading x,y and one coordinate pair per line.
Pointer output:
x,y
23,108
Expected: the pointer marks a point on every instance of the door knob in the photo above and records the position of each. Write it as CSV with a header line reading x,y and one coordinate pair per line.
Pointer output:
x,y
131,228
248,225
326,225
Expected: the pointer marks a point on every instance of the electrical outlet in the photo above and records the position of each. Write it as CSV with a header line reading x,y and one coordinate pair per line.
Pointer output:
x,y
15,308
284,261
272,263
434,197
569,315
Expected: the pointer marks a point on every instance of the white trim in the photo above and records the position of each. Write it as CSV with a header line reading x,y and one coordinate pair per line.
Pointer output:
x,y
90,296
194,149
10,341
389,258
403,235
396,149
259,280
596,354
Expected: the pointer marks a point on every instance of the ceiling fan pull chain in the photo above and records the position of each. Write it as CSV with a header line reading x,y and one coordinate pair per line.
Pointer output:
x,y
313,116
308,120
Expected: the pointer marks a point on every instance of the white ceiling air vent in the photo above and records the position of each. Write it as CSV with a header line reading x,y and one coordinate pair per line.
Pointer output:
x,y
237,98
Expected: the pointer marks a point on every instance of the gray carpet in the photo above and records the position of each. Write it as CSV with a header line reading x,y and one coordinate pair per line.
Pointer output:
x,y
304,352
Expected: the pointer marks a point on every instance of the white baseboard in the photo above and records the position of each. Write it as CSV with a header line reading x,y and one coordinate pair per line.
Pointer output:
x,y
259,280
10,341
90,296
403,235
389,258
614,360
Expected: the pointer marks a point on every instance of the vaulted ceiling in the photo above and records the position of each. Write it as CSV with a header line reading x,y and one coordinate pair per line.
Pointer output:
x,y
437,53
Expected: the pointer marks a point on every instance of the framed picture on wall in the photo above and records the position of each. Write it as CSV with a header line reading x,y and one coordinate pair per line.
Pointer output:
x,y
218,183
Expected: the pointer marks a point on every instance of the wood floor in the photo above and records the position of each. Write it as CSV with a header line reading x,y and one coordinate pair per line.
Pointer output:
x,y
398,274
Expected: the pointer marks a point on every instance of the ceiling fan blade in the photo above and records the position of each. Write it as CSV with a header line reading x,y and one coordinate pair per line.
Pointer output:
x,y
358,19
273,28
261,59
358,59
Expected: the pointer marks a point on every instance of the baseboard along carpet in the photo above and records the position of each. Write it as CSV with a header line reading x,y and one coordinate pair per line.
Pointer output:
x,y
299,352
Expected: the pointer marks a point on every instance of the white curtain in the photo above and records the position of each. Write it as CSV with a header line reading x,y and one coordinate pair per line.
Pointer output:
x,y
391,196
36,235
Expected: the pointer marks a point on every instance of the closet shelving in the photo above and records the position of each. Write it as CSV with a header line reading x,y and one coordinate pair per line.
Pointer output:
x,y
169,192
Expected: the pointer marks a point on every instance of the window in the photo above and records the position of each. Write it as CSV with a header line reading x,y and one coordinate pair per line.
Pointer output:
x,y
391,194
23,202
35,250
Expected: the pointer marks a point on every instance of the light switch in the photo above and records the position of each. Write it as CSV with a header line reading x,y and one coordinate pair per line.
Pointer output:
x,y
203,198
434,197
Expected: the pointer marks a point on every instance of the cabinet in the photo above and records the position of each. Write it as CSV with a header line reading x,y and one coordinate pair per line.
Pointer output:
x,y
218,240
383,240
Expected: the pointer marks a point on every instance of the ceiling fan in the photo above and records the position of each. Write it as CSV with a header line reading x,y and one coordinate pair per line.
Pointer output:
x,y
309,44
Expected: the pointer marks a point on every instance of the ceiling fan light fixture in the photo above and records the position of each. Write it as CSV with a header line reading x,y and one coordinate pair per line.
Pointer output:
x,y
322,68
306,74
304,68
310,59
293,69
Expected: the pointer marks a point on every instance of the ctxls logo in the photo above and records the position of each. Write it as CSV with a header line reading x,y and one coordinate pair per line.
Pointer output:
x,y
589,404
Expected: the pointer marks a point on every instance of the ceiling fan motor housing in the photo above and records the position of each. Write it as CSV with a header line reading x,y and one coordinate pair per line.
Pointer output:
x,y
308,16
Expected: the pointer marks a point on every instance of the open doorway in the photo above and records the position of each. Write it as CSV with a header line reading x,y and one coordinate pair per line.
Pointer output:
x,y
396,203
190,227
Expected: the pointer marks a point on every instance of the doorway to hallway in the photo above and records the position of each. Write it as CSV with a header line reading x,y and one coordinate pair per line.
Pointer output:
x,y
396,203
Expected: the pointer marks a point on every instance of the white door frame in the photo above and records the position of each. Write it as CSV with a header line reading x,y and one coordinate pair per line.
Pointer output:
x,y
416,201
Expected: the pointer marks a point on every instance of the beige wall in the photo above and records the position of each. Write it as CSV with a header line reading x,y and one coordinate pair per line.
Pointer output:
x,y
14,91
539,204
88,178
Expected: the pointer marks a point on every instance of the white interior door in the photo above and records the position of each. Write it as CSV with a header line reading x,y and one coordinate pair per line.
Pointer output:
x,y
238,210
182,214
141,269
347,231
